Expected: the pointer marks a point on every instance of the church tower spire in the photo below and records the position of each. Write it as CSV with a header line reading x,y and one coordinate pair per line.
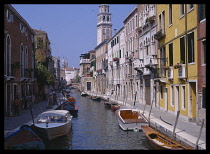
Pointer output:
x,y
104,26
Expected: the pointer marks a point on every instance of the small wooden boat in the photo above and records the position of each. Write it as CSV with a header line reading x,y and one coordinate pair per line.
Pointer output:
x,y
53,123
130,119
83,94
23,139
96,98
71,107
71,99
160,141
109,104
114,107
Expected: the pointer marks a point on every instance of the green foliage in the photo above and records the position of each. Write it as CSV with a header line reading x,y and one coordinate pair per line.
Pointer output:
x,y
43,75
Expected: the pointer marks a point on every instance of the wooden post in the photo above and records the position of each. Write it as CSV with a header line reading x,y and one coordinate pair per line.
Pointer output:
x,y
150,113
31,114
177,117
202,124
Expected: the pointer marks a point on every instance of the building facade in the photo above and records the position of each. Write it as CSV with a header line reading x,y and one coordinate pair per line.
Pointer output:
x,y
18,58
177,35
201,104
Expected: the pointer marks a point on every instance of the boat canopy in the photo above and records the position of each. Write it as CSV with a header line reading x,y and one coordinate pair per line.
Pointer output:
x,y
54,113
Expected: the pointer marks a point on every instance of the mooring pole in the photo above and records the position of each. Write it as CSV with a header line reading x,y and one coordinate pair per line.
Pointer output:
x,y
150,113
202,124
177,117
31,114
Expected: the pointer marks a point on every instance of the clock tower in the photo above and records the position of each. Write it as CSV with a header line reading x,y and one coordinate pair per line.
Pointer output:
x,y
104,26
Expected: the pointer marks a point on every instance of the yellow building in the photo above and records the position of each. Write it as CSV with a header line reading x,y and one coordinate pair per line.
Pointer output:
x,y
177,37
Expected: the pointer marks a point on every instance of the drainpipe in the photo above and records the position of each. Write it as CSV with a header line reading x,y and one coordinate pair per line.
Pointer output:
x,y
186,44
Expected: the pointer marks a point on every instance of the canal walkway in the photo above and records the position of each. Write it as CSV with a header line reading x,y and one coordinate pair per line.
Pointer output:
x,y
186,132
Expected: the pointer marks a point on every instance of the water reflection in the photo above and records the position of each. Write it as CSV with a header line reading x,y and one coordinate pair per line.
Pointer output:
x,y
96,128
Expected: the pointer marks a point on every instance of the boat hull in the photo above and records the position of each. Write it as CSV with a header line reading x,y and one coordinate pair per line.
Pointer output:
x,y
53,130
161,142
71,107
130,123
24,139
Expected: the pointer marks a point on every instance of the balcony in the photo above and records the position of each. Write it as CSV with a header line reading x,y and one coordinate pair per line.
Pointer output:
x,y
182,72
160,34
86,61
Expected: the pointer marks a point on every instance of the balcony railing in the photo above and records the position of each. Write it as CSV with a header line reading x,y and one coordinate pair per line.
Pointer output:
x,y
85,61
160,34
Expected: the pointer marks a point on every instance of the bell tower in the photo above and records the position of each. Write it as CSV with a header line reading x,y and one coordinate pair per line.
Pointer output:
x,y
104,26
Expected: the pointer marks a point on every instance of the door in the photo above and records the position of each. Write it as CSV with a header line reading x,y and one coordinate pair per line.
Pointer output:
x,y
177,102
166,98
192,101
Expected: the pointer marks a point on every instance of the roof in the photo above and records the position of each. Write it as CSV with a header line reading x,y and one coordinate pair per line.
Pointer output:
x,y
53,113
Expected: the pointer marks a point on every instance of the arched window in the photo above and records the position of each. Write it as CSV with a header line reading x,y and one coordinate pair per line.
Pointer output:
x,y
8,56
26,57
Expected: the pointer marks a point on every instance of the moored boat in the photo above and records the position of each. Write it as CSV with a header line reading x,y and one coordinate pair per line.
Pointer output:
x,y
96,98
160,141
114,107
71,107
53,123
23,139
130,119
109,104
83,94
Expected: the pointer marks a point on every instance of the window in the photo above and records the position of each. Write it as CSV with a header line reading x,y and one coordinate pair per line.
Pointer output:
x,y
21,27
160,22
182,49
204,52
88,85
9,16
39,42
204,97
183,97
190,6
170,14
171,54
8,56
136,21
26,57
181,9
201,11
191,51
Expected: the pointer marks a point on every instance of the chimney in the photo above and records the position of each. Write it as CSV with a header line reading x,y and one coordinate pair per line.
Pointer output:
x,y
115,31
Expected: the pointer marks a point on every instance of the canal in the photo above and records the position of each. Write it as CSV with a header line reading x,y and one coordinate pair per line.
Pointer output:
x,y
96,128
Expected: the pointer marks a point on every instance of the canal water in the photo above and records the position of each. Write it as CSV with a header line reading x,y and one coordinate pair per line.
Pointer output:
x,y
96,128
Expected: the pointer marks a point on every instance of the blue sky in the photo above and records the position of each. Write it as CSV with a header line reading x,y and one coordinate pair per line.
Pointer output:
x,y
71,28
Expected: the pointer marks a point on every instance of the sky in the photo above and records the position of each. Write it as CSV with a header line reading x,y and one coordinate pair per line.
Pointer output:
x,y
71,28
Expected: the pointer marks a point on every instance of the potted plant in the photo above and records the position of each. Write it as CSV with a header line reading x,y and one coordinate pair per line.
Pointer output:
x,y
178,65
116,59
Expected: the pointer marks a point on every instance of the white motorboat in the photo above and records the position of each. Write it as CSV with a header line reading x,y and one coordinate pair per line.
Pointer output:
x,y
130,119
83,94
53,123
